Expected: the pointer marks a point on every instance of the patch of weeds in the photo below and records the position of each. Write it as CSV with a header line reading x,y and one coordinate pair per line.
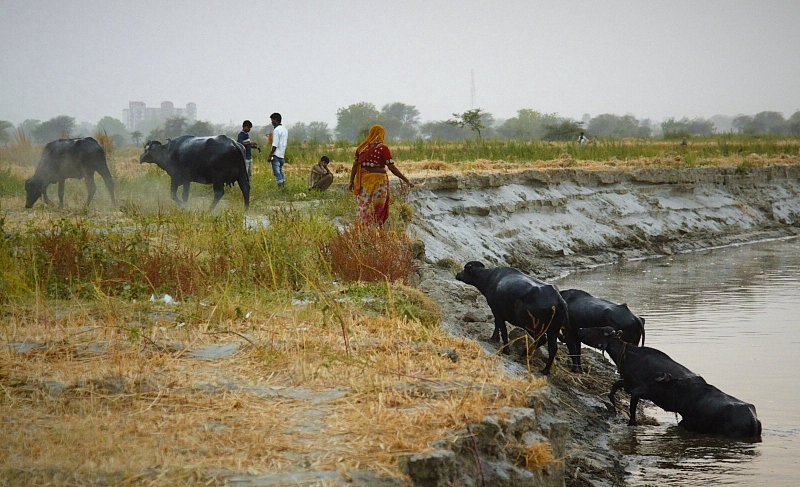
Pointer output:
x,y
448,264
743,167
369,253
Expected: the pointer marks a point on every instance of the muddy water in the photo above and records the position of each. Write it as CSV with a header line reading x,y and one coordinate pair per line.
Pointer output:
x,y
731,315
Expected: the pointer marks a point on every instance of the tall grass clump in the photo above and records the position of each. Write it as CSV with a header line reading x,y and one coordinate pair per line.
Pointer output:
x,y
12,274
21,152
287,251
73,258
11,184
183,254
105,140
370,253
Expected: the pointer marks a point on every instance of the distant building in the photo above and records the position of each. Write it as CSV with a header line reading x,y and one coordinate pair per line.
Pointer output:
x,y
139,116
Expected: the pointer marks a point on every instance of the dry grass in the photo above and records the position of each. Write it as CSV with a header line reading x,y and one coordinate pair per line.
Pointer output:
x,y
431,168
112,388
537,455
370,253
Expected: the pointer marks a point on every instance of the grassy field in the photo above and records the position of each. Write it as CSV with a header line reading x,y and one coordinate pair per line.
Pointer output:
x,y
335,362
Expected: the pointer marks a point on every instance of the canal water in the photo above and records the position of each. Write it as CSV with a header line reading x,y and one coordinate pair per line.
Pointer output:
x,y
731,315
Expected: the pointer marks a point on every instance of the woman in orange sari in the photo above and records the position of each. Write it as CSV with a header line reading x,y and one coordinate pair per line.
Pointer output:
x,y
368,178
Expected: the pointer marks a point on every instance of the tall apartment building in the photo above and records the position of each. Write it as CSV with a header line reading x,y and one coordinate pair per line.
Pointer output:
x,y
138,115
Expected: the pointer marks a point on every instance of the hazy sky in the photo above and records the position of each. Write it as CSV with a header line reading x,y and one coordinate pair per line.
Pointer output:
x,y
306,59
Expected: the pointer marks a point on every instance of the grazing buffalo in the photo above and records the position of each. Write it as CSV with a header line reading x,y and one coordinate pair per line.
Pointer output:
x,y
207,160
587,311
648,373
65,159
533,305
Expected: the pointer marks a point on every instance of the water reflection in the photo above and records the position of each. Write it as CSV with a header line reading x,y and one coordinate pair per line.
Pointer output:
x,y
671,456
733,316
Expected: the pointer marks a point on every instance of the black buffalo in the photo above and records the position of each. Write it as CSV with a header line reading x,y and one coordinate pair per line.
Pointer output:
x,y
207,160
648,373
533,305
64,159
587,311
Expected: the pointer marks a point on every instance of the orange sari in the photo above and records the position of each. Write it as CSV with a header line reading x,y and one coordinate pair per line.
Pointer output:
x,y
372,188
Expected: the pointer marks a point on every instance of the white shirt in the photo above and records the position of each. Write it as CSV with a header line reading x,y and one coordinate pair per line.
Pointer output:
x,y
280,137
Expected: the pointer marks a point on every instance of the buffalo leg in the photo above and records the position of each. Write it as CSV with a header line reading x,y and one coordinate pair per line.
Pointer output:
x,y
634,402
244,185
186,192
552,349
106,175
44,195
611,395
574,347
91,188
173,189
500,332
61,194
219,190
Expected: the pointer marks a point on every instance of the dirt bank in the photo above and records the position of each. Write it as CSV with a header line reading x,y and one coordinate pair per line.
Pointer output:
x,y
552,222
542,220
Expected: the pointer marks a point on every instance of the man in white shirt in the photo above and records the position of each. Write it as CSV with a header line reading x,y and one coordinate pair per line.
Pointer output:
x,y
280,137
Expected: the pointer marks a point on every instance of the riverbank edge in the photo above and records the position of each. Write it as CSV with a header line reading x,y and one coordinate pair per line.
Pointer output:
x,y
589,459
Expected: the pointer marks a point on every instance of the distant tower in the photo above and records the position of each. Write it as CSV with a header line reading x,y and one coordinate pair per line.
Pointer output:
x,y
167,110
472,88
135,115
191,112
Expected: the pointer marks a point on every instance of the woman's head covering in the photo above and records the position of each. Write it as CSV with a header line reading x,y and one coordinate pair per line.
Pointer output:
x,y
376,133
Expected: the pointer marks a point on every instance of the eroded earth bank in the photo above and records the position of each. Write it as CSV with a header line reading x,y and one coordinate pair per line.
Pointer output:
x,y
551,222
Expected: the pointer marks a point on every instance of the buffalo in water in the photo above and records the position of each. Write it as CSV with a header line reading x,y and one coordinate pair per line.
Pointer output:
x,y
651,374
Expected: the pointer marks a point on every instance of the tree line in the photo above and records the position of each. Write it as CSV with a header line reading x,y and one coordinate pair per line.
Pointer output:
x,y
402,122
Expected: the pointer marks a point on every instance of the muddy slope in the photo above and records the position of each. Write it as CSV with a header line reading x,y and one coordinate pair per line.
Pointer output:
x,y
555,221
538,219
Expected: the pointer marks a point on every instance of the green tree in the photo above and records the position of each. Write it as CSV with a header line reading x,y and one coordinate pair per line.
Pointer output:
x,y
701,126
675,129
793,124
299,131
761,123
201,129
472,119
401,121
564,130
5,135
770,123
355,120
616,126
744,124
528,124
443,131
319,132
53,129
174,127
315,132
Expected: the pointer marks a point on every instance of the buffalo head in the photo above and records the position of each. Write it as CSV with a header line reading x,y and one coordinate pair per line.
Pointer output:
x,y
33,191
599,337
151,148
470,272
